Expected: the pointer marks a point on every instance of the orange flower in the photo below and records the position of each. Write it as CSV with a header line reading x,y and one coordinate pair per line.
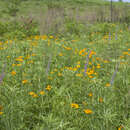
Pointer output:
x,y
1,113
120,128
34,95
90,94
88,111
90,76
60,54
33,54
121,56
48,88
125,53
44,37
19,59
79,75
42,92
31,93
74,105
24,81
100,100
13,73
13,64
108,85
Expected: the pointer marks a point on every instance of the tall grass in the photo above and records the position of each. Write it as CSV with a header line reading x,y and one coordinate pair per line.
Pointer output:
x,y
65,99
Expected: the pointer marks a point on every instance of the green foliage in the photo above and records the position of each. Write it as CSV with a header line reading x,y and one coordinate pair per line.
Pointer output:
x,y
13,7
18,30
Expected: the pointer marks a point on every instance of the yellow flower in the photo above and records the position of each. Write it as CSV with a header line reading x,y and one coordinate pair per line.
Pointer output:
x,y
42,92
55,70
24,81
60,54
31,93
128,49
19,59
33,54
100,100
120,128
98,66
105,61
68,48
125,53
90,94
79,75
27,57
95,73
74,40
48,88
121,56
108,85
74,69
52,72
88,111
51,37
13,65
1,43
90,76
18,64
49,77
1,113
97,58
29,62
44,37
34,43
78,62
8,56
59,74
37,37
78,66
74,105
34,95
13,73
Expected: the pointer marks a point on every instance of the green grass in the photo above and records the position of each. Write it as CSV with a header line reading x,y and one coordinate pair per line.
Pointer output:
x,y
66,58
33,7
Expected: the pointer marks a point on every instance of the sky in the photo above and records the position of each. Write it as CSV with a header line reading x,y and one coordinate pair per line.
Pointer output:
x,y
123,0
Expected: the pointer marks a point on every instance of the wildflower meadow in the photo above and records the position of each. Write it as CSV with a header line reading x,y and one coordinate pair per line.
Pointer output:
x,y
52,83
75,80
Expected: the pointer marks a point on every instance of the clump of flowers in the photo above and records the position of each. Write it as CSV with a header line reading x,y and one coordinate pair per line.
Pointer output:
x,y
48,87
33,94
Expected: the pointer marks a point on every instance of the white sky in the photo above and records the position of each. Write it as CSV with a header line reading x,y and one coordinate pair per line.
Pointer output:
x,y
123,0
